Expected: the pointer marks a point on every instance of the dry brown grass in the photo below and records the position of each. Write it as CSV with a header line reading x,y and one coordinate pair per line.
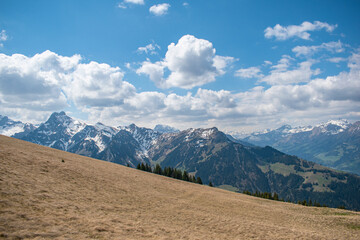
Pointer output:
x,y
42,197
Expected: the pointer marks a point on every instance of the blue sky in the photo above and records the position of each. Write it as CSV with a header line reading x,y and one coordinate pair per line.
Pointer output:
x,y
238,65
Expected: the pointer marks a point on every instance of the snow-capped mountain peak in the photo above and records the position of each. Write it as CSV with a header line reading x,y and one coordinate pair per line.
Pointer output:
x,y
333,126
200,133
329,127
61,120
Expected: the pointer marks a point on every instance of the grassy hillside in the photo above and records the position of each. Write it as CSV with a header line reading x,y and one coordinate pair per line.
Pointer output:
x,y
46,193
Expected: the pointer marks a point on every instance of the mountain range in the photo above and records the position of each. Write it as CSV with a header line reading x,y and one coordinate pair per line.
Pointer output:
x,y
335,144
206,153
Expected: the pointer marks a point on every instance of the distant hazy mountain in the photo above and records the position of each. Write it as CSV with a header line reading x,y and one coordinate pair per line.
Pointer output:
x,y
334,144
165,129
207,153
231,138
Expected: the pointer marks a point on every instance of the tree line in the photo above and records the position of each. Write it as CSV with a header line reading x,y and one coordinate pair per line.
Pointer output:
x,y
275,196
170,172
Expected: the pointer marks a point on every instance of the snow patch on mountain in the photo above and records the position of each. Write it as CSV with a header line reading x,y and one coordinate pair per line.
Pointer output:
x,y
11,130
98,142
333,126
206,134
9,127
199,133
146,137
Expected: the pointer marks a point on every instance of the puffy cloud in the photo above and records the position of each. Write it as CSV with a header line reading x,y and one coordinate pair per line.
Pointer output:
x,y
310,50
215,99
301,31
283,64
48,82
159,9
252,72
34,82
150,48
98,85
320,92
191,62
281,75
155,71
221,62
147,101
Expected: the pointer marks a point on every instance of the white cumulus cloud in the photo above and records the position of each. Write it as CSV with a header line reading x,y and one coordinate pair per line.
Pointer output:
x,y
98,85
192,62
301,31
159,9
48,82
34,82
155,71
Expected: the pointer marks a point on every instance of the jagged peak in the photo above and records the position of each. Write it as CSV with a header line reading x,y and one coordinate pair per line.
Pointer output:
x,y
60,119
59,116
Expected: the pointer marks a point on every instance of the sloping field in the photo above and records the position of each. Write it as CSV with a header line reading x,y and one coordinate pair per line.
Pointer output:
x,y
46,193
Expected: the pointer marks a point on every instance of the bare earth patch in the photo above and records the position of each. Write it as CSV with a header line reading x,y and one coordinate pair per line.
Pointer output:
x,y
51,194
